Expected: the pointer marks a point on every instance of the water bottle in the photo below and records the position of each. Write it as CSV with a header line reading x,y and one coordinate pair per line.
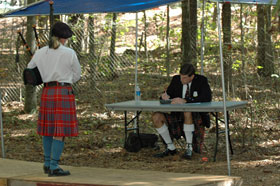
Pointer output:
x,y
138,93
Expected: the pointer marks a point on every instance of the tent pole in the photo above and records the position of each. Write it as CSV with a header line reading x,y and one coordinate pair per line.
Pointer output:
x,y
136,66
136,54
202,39
2,135
223,84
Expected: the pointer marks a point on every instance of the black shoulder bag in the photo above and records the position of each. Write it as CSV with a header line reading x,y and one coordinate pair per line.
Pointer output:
x,y
32,76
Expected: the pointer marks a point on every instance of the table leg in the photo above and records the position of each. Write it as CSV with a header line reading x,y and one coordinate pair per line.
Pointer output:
x,y
229,134
126,124
218,132
217,136
137,126
125,127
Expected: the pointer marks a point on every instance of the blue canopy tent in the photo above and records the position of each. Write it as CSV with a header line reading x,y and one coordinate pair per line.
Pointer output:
x,y
251,2
62,7
118,6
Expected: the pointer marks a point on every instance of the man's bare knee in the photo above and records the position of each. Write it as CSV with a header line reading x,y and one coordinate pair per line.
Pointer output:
x,y
156,116
158,119
188,118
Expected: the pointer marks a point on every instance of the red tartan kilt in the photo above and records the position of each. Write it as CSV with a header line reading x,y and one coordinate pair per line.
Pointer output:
x,y
175,122
57,115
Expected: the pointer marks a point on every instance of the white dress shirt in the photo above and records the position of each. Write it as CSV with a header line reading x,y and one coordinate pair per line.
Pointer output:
x,y
59,64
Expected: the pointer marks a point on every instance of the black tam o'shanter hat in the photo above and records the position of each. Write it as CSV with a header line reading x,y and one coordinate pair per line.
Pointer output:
x,y
61,30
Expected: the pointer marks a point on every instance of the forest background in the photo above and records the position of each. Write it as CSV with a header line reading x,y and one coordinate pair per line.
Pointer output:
x,y
105,44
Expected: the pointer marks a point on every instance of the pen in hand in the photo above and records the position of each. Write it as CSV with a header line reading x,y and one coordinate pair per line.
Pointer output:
x,y
165,96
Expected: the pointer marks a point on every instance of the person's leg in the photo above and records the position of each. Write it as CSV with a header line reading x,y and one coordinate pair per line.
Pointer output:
x,y
188,130
57,149
159,123
47,145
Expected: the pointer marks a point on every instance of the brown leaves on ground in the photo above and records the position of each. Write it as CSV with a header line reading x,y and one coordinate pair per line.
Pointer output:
x,y
100,144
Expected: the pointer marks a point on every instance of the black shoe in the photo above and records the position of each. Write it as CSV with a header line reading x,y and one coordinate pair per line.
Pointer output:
x,y
167,152
58,172
188,153
46,169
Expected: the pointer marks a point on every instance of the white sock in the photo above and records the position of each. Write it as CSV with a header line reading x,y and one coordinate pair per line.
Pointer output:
x,y
188,129
164,132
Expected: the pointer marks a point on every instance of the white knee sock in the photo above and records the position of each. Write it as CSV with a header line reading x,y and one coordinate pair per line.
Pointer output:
x,y
188,129
163,131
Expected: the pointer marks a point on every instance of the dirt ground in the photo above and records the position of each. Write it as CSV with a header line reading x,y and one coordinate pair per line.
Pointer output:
x,y
100,144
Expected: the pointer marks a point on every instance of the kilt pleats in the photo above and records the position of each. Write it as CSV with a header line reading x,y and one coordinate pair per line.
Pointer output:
x,y
175,122
57,115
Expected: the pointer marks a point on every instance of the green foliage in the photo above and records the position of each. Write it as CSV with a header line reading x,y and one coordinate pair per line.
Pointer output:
x,y
88,132
109,21
160,25
175,34
276,10
236,65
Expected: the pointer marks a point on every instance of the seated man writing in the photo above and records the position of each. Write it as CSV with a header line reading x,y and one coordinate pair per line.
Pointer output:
x,y
187,87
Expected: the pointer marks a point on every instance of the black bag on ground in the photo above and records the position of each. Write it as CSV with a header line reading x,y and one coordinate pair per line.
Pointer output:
x,y
134,143
205,117
32,76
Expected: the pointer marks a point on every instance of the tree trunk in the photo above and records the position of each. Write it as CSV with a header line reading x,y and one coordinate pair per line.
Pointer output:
x,y
265,52
113,45
145,36
30,101
167,43
226,27
243,16
78,19
261,40
92,53
113,36
186,37
269,50
43,25
91,35
189,31
193,31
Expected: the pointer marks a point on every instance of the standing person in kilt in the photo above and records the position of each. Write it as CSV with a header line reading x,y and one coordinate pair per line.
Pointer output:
x,y
59,68
187,87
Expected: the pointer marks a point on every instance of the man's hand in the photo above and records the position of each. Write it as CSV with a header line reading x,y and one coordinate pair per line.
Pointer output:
x,y
178,101
165,96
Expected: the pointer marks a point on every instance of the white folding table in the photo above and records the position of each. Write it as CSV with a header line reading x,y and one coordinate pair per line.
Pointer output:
x,y
155,106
